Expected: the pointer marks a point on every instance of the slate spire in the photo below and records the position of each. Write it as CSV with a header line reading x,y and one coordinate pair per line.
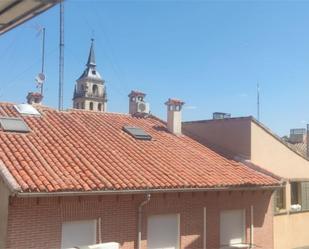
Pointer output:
x,y
91,58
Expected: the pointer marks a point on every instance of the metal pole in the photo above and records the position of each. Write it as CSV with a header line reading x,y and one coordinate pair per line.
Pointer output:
x,y
307,141
258,101
43,58
251,226
61,57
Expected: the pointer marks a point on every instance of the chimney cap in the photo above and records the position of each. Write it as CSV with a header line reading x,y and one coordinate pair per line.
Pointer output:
x,y
174,102
135,93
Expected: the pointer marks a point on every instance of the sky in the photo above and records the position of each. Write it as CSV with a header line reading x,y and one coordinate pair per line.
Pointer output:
x,y
210,54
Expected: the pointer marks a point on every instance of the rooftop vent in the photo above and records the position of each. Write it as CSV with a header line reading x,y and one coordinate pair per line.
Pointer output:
x,y
137,133
26,109
220,115
13,124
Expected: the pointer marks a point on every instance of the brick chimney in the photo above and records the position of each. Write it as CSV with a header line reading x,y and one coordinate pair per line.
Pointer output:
x,y
34,98
174,119
137,104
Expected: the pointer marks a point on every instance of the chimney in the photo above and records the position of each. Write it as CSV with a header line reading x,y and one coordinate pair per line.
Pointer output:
x,y
137,105
174,107
34,98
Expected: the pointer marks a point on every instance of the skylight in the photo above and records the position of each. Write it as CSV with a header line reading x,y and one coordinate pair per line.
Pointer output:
x,y
26,109
13,124
137,133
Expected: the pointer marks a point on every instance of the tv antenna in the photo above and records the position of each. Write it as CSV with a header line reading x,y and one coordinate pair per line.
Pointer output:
x,y
61,56
40,79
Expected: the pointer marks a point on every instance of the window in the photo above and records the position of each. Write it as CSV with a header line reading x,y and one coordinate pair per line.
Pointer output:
x,y
78,233
305,195
299,196
163,231
82,105
232,227
295,193
95,89
100,107
13,124
280,199
137,133
91,106
77,105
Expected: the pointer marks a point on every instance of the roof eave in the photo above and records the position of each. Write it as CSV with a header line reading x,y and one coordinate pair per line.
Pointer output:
x,y
9,180
143,191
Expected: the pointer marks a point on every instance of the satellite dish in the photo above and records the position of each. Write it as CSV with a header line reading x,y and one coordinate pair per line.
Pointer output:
x,y
40,78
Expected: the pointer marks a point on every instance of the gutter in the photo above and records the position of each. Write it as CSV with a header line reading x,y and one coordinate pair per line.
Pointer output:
x,y
143,191
139,224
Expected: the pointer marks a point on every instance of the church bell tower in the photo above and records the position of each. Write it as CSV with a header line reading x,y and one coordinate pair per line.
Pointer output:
x,y
90,92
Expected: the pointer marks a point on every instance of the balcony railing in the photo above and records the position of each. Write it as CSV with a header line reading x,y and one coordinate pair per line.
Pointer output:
x,y
88,95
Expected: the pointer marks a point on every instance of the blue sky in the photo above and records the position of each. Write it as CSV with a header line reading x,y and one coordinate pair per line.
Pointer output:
x,y
211,54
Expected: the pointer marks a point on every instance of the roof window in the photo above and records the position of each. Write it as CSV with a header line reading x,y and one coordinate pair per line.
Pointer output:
x,y
13,125
26,109
137,133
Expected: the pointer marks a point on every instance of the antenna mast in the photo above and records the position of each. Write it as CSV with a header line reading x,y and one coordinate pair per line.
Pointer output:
x,y
61,56
258,101
43,58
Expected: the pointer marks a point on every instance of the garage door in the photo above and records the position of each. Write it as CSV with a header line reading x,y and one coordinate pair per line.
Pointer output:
x,y
78,233
163,232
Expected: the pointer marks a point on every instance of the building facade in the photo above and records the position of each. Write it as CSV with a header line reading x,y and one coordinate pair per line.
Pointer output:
x,y
74,178
250,141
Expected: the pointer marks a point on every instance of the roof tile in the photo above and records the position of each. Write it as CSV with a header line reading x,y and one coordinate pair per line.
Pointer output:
x,y
85,151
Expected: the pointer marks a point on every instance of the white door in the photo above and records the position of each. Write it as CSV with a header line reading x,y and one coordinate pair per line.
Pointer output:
x,y
232,227
78,233
163,232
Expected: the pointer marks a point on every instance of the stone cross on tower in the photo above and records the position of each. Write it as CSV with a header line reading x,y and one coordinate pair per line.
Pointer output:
x,y
90,92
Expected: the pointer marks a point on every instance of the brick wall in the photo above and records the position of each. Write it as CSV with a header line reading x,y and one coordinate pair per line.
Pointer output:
x,y
35,223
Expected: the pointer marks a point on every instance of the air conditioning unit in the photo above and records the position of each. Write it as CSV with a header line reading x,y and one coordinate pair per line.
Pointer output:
x,y
109,245
142,107
296,207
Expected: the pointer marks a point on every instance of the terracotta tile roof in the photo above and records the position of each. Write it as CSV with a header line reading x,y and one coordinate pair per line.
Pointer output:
x,y
86,151
300,148
174,102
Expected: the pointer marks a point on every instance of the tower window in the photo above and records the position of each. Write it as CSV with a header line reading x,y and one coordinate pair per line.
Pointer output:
x,y
82,105
95,89
91,106
100,107
77,106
